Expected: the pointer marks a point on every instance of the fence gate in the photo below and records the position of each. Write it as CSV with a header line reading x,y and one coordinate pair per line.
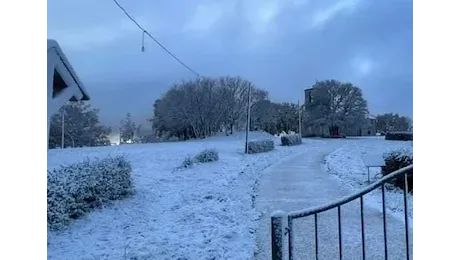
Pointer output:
x,y
282,228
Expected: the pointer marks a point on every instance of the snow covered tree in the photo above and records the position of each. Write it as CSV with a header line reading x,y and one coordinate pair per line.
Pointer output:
x,y
336,105
128,129
393,122
81,127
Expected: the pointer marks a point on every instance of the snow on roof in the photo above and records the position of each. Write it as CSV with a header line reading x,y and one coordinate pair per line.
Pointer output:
x,y
52,44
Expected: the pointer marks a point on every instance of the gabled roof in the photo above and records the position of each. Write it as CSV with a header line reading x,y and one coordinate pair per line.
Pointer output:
x,y
52,44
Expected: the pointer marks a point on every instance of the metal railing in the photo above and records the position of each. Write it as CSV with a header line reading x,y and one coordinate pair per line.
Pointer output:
x,y
279,231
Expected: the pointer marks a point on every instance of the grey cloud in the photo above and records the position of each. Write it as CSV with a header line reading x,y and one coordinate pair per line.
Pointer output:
x,y
285,60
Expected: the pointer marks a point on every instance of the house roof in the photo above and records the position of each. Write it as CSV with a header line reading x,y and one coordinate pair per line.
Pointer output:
x,y
52,44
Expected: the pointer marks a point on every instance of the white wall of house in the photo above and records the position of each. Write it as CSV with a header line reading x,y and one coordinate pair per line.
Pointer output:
x,y
56,61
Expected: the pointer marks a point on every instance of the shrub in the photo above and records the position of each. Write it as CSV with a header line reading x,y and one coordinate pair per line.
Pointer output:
x,y
208,155
77,189
396,160
289,140
205,156
399,136
188,162
261,146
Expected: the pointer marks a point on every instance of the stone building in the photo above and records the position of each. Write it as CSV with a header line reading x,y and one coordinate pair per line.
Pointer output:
x,y
322,128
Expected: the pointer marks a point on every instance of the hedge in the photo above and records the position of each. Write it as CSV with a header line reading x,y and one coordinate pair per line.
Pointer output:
x,y
399,136
396,160
261,146
79,188
207,155
288,140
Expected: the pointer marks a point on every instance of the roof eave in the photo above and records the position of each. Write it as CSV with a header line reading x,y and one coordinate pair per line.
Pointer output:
x,y
52,44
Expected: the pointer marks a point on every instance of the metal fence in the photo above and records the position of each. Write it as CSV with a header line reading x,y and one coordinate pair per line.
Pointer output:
x,y
280,233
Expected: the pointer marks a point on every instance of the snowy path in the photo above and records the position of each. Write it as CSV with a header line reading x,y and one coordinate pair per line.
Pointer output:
x,y
301,182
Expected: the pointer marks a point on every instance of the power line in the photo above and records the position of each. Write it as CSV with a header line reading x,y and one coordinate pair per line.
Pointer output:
x,y
155,40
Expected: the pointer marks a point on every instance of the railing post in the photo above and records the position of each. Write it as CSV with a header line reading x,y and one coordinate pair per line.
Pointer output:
x,y
278,227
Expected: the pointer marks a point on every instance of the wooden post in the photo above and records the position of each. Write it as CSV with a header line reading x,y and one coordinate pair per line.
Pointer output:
x,y
277,230
368,175
62,130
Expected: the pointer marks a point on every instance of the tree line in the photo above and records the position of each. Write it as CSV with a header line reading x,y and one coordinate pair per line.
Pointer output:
x,y
82,128
390,122
201,107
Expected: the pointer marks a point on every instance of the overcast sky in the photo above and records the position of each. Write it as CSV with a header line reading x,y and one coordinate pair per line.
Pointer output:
x,y
282,46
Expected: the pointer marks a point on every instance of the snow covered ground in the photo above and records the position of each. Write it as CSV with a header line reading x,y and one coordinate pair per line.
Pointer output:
x,y
204,212
348,164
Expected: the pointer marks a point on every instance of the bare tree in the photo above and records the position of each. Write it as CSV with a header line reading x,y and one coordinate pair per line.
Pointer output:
x,y
201,107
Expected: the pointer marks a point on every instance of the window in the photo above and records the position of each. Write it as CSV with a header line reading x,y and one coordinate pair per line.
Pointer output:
x,y
58,84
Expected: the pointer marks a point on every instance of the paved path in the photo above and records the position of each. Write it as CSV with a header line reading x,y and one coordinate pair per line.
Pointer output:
x,y
301,182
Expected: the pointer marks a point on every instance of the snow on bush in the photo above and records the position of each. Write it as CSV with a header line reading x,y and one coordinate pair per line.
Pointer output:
x,y
396,160
261,146
348,164
289,140
283,133
76,189
188,162
205,156
208,155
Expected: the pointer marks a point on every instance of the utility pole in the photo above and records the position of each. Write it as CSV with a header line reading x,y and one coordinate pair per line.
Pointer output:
x,y
300,121
62,130
119,140
248,123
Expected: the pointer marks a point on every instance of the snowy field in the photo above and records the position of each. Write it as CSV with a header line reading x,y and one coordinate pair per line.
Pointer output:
x,y
348,164
204,212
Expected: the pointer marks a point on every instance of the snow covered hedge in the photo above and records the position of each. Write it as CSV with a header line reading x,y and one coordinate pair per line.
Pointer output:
x,y
399,136
208,155
77,189
289,140
396,160
261,146
205,156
